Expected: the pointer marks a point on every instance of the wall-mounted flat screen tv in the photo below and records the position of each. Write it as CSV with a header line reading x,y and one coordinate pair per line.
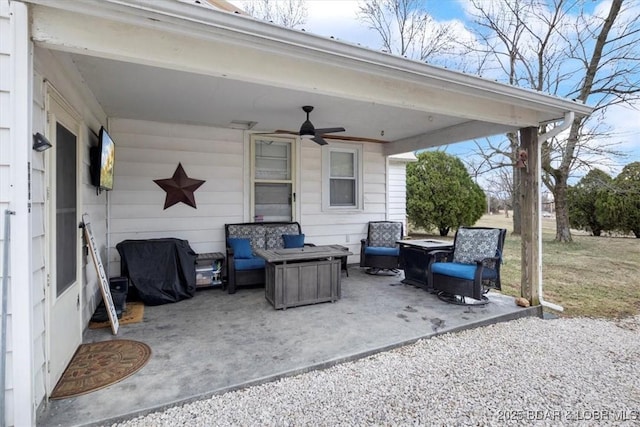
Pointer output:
x,y
102,160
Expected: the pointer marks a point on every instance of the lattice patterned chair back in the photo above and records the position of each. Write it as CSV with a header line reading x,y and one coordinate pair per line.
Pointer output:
x,y
379,251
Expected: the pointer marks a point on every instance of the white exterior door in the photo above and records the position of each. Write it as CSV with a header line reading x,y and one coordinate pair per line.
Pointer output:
x,y
64,329
273,194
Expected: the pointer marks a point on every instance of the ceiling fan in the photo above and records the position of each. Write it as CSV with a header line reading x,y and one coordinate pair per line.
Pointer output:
x,y
308,131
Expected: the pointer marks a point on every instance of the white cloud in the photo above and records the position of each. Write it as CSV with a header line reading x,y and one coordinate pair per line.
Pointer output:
x,y
625,127
338,19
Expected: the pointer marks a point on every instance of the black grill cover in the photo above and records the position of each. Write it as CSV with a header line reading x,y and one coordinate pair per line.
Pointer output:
x,y
160,270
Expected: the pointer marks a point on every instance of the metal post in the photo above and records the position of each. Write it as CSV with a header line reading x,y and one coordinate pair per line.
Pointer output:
x,y
3,327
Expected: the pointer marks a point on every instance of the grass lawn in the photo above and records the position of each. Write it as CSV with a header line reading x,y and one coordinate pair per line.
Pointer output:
x,y
592,276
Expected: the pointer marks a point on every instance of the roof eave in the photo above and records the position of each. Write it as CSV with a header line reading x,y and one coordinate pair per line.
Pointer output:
x,y
243,29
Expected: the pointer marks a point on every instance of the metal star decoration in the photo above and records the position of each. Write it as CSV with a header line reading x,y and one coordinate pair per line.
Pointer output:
x,y
179,188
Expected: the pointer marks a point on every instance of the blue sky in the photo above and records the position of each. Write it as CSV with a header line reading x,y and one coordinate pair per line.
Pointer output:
x,y
337,18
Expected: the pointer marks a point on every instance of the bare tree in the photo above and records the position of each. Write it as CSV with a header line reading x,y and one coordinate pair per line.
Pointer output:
x,y
557,47
287,13
494,161
503,185
611,75
406,29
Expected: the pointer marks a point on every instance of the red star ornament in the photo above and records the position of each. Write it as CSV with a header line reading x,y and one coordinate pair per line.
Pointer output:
x,y
179,188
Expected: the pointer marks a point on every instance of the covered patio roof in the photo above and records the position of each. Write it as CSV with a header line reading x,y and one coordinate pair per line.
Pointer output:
x,y
183,63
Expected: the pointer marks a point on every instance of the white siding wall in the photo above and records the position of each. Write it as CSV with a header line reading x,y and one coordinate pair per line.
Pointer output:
x,y
148,150
398,192
61,75
5,93
38,218
5,159
344,228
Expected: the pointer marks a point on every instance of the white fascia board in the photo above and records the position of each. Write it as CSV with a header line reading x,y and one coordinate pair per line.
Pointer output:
x,y
403,157
197,21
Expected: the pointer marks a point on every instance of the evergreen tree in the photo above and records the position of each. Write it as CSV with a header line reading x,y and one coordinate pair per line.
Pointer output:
x,y
623,205
584,199
441,193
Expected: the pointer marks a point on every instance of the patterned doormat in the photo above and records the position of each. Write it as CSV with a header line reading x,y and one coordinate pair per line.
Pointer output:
x,y
133,313
98,365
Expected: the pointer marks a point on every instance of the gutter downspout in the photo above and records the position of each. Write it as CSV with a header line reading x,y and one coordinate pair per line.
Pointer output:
x,y
568,120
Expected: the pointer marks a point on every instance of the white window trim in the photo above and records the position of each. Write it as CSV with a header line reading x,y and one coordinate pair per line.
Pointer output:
x,y
358,151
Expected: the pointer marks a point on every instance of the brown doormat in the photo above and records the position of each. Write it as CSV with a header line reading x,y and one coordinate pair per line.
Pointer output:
x,y
100,364
133,313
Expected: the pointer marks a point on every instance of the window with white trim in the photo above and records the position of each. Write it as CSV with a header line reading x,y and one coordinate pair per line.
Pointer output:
x,y
342,176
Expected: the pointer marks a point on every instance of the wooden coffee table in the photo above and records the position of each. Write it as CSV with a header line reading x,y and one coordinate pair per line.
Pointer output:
x,y
301,276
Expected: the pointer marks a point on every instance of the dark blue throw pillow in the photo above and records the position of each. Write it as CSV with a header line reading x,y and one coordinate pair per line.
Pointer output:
x,y
241,247
293,240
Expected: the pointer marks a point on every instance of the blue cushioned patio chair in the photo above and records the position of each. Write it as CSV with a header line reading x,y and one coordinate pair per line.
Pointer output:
x,y
471,268
379,252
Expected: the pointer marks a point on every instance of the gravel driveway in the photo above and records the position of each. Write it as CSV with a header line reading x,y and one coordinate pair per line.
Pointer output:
x,y
528,371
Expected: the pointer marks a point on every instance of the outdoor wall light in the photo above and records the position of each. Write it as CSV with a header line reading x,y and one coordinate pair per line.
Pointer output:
x,y
40,142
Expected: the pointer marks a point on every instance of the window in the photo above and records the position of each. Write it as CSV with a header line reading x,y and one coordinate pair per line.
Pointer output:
x,y
342,176
66,209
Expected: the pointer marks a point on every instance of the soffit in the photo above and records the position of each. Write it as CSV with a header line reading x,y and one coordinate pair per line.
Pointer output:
x,y
161,74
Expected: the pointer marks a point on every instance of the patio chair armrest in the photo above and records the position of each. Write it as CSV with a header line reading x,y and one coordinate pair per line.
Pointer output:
x,y
490,262
441,255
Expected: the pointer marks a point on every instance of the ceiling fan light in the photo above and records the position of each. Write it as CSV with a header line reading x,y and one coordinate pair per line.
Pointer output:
x,y
306,136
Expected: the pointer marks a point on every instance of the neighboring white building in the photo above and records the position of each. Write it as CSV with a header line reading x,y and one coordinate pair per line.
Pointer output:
x,y
397,188
175,83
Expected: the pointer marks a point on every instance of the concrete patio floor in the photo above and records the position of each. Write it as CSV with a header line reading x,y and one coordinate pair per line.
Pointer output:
x,y
216,342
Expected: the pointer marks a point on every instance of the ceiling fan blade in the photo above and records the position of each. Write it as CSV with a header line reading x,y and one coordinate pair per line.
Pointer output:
x,y
322,131
354,138
325,136
318,140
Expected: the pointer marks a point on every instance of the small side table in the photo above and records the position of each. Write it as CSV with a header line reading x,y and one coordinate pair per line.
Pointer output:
x,y
414,260
209,267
